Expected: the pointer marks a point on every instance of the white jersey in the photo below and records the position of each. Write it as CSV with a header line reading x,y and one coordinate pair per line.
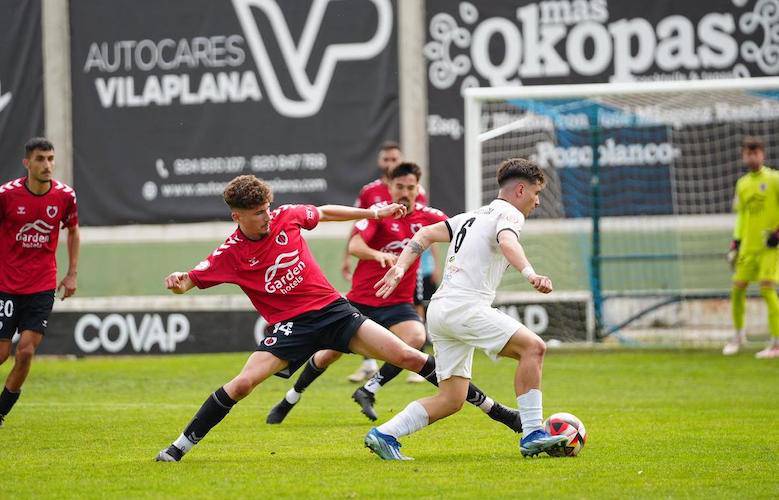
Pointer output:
x,y
474,263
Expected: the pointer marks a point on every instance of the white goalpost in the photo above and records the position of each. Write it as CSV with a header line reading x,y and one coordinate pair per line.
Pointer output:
x,y
636,213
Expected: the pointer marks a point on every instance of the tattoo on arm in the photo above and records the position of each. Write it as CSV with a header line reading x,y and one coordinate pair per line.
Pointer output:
x,y
416,247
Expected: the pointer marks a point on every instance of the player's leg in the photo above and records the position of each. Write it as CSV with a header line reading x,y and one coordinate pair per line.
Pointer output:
x,y
408,328
30,315
412,332
529,349
366,370
375,341
746,270
25,351
314,367
454,370
769,274
768,291
5,349
259,366
383,440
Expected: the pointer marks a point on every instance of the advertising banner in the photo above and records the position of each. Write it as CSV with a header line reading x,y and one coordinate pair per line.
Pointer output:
x,y
171,100
152,332
21,82
519,42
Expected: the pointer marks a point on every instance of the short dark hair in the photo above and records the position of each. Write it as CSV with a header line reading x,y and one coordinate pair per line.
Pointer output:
x,y
247,191
406,168
519,168
387,145
752,142
40,143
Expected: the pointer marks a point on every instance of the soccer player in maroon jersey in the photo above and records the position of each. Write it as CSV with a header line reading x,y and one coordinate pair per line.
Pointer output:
x,y
32,209
269,259
376,191
377,243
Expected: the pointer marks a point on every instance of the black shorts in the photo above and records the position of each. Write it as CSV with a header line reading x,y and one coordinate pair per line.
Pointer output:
x,y
24,312
298,338
425,289
388,316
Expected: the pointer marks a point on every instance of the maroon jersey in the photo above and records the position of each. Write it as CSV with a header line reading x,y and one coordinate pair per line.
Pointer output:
x,y
389,235
29,231
377,192
278,272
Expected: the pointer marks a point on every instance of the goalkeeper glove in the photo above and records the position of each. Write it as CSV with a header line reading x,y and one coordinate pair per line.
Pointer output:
x,y
732,255
773,239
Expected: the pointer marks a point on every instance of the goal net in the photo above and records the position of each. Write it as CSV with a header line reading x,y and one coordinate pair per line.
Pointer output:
x,y
635,219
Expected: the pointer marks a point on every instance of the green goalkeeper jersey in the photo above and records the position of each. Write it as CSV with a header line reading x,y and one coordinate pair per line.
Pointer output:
x,y
757,207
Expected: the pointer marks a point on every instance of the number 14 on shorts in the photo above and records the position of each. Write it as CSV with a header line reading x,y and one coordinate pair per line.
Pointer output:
x,y
285,328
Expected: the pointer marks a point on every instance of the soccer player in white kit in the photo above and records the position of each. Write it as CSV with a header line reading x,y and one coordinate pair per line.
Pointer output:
x,y
461,317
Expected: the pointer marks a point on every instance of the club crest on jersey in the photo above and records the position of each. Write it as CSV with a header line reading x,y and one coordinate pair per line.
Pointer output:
x,y
415,228
282,239
51,211
21,210
269,341
763,187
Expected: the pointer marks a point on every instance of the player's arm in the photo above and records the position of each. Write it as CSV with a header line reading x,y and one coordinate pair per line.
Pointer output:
x,y
67,286
330,213
738,230
362,251
179,282
437,271
425,237
515,254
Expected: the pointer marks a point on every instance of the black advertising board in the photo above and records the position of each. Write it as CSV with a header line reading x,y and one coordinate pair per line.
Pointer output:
x,y
171,100
21,82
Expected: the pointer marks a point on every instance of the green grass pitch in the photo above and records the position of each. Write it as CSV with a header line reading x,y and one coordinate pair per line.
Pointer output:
x,y
661,424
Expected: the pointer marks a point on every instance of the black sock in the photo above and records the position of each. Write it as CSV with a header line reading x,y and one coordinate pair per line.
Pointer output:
x,y
214,409
308,375
475,395
386,373
7,400
428,371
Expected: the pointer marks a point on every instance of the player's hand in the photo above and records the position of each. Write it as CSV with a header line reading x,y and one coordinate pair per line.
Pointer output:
x,y
773,239
177,282
346,269
542,284
385,259
395,210
732,255
67,287
389,282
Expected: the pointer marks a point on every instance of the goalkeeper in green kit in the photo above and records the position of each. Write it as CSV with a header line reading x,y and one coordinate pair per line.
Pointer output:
x,y
753,252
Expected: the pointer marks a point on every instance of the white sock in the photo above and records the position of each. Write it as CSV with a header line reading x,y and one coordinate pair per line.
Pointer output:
x,y
292,396
411,419
370,364
183,443
372,385
487,404
530,411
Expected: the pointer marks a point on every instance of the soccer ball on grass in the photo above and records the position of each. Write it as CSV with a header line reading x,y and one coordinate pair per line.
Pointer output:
x,y
567,425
